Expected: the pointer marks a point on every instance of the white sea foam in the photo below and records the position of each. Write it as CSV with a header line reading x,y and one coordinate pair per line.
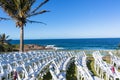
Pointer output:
x,y
53,47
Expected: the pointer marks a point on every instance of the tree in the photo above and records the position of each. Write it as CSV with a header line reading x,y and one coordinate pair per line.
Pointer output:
x,y
4,39
21,11
5,43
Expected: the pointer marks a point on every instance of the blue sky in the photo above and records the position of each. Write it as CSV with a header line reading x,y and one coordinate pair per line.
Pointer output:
x,y
71,19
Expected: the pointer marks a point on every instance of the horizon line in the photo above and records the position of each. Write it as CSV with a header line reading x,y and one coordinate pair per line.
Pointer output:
x,y
70,38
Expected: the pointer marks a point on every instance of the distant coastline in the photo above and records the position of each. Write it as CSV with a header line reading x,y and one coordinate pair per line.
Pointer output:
x,y
29,47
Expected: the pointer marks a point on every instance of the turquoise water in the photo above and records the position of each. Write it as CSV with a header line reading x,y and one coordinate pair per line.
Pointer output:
x,y
98,43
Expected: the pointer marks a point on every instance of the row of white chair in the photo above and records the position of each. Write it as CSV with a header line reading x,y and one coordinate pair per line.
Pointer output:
x,y
83,72
115,60
29,65
102,68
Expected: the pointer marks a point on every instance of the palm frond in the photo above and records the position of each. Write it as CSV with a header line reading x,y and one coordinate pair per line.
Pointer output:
x,y
16,3
1,18
9,7
20,10
7,4
7,36
32,2
30,21
0,4
41,4
41,12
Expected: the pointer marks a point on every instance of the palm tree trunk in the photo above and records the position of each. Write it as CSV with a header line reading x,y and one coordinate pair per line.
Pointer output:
x,y
21,39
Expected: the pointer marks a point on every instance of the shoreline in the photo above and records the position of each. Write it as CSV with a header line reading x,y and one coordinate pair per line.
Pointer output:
x,y
43,47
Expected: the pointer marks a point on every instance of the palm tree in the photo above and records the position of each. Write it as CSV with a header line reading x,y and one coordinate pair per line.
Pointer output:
x,y
21,11
5,43
4,39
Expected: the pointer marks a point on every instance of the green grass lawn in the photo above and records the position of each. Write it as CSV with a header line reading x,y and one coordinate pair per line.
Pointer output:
x,y
71,72
46,77
90,65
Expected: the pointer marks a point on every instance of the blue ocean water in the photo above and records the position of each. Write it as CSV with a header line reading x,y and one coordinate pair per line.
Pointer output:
x,y
98,43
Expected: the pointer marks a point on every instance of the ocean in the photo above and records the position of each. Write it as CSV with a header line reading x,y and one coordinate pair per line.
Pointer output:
x,y
75,44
